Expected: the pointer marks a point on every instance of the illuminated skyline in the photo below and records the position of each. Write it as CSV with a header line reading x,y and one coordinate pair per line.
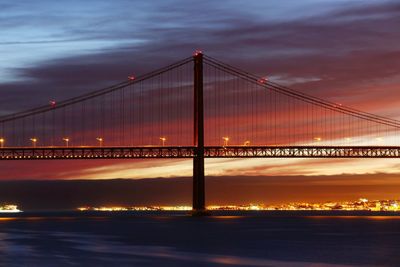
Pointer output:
x,y
357,205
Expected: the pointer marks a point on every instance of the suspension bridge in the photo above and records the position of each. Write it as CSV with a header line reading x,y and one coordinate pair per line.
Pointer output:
x,y
196,108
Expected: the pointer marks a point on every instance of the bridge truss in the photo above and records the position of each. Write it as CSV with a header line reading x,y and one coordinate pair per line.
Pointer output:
x,y
47,153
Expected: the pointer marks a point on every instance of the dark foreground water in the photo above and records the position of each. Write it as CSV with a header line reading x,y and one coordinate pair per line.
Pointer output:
x,y
173,239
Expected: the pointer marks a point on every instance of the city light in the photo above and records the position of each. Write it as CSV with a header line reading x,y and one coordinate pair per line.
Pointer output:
x,y
362,204
103,209
9,209
163,139
226,139
2,140
318,139
66,139
137,208
34,141
100,139
246,143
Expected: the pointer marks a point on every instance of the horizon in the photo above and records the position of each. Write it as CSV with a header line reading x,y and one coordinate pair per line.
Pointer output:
x,y
56,61
272,190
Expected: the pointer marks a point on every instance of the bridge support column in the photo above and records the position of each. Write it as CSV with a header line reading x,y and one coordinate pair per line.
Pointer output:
x,y
199,207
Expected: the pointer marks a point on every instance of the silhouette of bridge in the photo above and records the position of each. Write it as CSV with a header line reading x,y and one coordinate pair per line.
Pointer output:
x,y
196,108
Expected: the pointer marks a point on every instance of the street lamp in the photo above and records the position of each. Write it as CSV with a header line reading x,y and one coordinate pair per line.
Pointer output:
x,y
163,139
226,139
66,139
100,139
247,143
34,141
2,142
318,139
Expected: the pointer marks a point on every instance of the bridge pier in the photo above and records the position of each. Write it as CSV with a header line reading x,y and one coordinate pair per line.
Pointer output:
x,y
199,207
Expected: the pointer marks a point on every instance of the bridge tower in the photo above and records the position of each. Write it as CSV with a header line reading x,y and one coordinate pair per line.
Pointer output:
x,y
198,137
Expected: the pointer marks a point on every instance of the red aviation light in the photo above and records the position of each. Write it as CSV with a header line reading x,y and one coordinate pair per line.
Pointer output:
x,y
131,78
197,52
337,105
52,103
263,80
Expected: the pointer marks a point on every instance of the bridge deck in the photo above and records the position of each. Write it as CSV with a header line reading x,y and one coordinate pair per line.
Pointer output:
x,y
52,153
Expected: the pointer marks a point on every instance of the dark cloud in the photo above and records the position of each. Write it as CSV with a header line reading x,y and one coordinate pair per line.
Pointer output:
x,y
345,53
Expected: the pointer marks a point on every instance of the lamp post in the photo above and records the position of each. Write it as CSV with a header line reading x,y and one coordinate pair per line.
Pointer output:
x,y
66,139
100,139
318,139
163,139
34,141
2,142
226,139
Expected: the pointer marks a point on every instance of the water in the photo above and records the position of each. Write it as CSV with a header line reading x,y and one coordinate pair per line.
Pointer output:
x,y
175,239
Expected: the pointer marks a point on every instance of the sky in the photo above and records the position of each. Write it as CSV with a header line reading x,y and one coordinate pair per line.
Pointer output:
x,y
342,51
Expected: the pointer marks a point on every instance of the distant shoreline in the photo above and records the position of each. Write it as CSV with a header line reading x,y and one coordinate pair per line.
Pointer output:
x,y
215,213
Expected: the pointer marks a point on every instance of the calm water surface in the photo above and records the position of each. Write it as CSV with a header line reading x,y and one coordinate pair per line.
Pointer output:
x,y
175,239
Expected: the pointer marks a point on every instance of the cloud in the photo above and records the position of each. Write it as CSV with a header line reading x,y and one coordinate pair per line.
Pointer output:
x,y
344,56
139,169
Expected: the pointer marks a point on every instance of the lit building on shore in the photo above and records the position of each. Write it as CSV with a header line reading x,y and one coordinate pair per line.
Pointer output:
x,y
9,209
362,204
